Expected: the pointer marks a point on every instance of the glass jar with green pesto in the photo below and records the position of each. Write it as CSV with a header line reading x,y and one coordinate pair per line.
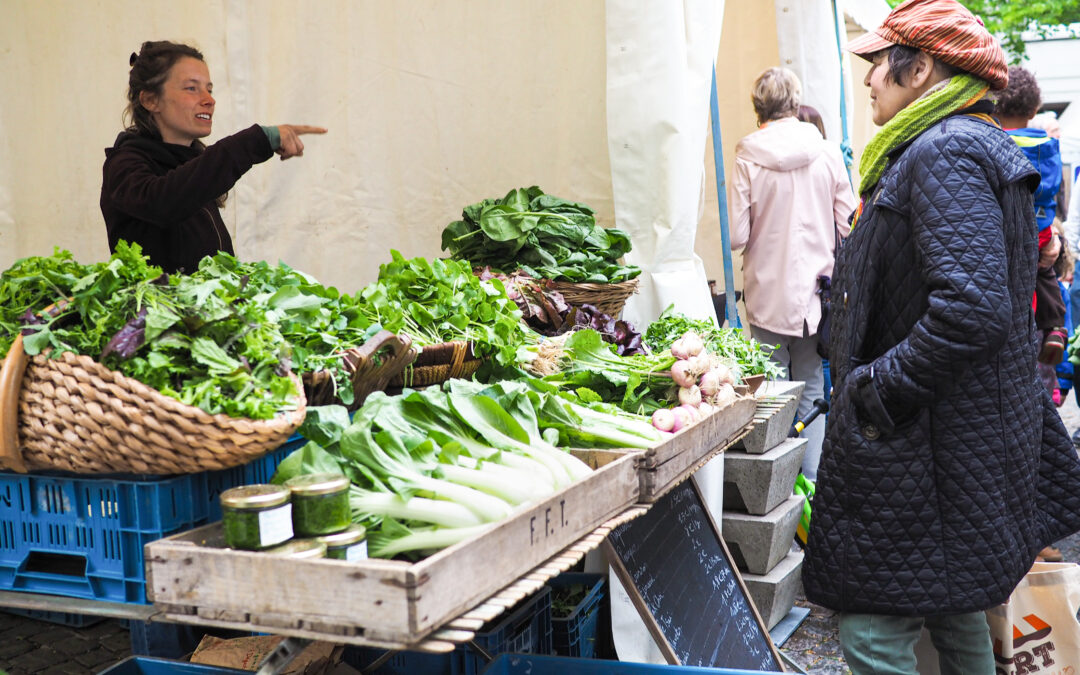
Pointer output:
x,y
299,549
255,517
349,544
320,503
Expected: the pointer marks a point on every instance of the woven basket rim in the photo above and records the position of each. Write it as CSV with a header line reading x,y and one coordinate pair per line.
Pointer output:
x,y
629,285
284,418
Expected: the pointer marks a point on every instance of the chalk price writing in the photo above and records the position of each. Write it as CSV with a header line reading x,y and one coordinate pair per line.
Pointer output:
x,y
554,518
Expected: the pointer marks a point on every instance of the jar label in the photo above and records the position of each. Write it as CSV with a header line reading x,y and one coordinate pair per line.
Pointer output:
x,y
275,525
357,551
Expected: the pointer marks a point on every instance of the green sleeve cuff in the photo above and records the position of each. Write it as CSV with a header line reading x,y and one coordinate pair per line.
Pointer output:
x,y
272,135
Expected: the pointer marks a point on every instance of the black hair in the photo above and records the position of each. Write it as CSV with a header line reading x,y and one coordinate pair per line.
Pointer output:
x,y
1022,97
902,61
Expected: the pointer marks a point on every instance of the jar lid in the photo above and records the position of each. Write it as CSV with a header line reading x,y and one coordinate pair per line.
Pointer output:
x,y
351,535
255,496
312,484
299,549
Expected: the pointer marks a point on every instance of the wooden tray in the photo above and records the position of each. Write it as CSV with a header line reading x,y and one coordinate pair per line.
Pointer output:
x,y
378,602
662,467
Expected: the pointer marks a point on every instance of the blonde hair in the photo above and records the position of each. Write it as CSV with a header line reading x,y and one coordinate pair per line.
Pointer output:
x,y
777,93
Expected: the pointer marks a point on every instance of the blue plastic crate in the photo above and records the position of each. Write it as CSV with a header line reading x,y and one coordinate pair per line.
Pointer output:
x,y
59,618
259,471
527,628
528,664
575,634
141,665
83,537
402,663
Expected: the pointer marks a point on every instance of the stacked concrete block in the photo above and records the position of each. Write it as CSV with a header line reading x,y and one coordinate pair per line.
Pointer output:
x,y
760,511
774,593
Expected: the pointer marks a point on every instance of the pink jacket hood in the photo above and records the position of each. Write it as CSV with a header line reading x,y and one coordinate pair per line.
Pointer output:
x,y
783,145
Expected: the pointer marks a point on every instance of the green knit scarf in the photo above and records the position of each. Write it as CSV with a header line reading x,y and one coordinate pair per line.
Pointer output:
x,y
953,94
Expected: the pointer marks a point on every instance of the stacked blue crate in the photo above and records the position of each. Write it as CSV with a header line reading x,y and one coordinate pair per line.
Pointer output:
x,y
83,537
526,628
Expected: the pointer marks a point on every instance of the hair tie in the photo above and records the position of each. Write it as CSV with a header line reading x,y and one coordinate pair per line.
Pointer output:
x,y
133,59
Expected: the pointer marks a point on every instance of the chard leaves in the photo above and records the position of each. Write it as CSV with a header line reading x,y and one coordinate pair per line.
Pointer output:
x,y
542,235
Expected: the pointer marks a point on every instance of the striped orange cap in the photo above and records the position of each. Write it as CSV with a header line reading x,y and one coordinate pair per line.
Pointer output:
x,y
945,30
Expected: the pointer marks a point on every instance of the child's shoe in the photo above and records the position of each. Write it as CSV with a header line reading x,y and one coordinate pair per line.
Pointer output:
x,y
1053,347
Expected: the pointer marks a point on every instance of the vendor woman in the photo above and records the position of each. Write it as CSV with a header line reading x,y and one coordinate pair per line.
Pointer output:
x,y
162,187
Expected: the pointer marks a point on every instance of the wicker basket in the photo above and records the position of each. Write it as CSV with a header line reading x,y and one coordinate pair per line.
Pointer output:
x,y
608,298
371,367
74,414
436,364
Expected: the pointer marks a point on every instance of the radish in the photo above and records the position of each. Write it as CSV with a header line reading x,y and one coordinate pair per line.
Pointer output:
x,y
663,419
690,396
682,375
724,373
705,409
678,349
710,382
691,411
725,396
682,418
692,343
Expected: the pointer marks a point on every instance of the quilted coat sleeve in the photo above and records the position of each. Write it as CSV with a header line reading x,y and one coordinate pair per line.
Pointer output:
x,y
960,250
844,199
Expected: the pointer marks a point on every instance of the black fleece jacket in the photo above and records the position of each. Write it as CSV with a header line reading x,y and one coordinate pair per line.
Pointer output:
x,y
163,195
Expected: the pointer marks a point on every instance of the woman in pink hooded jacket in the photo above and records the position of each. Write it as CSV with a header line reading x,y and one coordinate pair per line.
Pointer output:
x,y
790,202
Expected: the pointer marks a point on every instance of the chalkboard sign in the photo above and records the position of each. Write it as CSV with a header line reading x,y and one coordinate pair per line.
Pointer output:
x,y
678,572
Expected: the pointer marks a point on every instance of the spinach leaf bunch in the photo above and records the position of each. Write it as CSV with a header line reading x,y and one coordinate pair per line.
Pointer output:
x,y
443,301
541,235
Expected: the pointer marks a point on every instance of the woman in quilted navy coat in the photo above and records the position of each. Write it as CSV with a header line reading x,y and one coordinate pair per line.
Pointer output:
x,y
945,467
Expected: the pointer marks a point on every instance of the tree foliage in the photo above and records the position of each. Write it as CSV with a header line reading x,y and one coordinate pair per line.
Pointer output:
x,y
1009,20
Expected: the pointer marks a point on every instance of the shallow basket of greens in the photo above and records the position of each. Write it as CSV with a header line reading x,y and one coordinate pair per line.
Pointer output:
x,y
400,452
133,371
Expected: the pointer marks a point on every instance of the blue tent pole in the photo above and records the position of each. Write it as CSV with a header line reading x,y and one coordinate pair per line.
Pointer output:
x,y
731,313
845,143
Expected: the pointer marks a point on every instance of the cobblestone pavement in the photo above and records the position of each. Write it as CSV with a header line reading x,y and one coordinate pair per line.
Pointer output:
x,y
30,647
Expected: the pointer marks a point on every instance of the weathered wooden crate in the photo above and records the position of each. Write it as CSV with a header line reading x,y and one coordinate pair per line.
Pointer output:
x,y
192,578
662,467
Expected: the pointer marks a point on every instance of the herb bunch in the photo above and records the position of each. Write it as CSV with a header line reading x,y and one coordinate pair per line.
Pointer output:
x,y
730,344
442,301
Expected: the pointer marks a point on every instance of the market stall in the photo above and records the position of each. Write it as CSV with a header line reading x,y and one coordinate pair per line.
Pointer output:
x,y
636,164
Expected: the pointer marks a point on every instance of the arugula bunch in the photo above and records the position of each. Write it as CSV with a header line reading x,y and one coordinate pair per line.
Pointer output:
x,y
731,344
34,283
542,235
442,301
318,321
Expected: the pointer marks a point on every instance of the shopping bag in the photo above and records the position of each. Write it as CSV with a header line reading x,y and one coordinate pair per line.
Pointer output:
x,y
1036,631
